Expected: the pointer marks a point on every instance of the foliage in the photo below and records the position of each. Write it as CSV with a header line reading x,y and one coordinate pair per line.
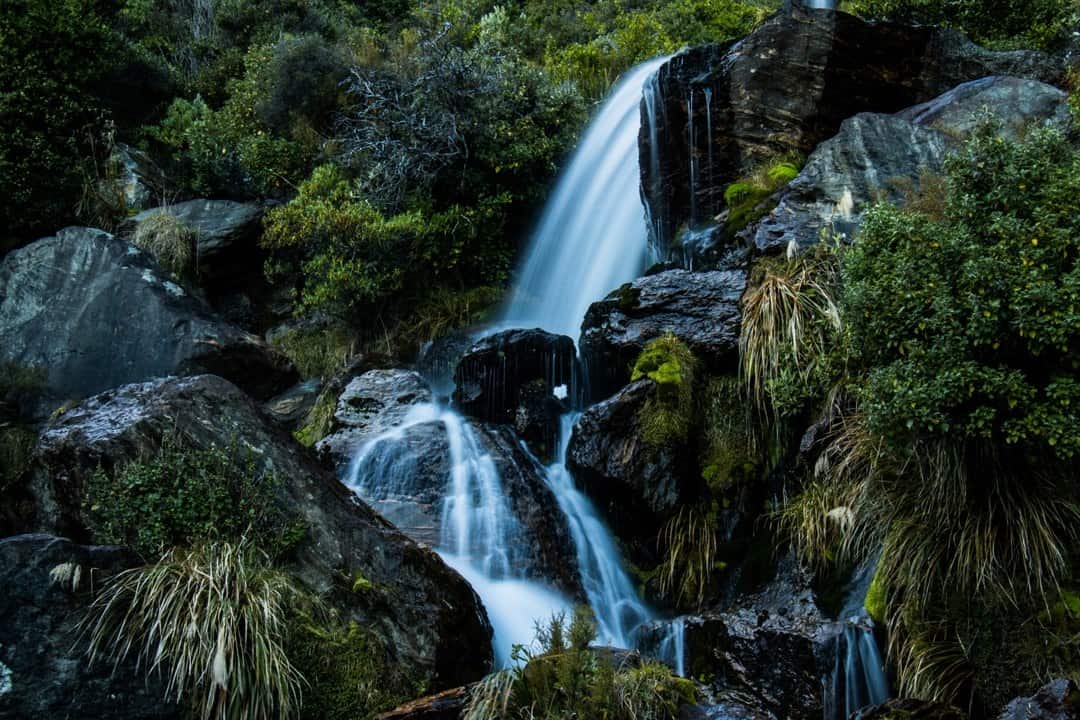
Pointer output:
x,y
729,455
564,678
183,497
319,419
347,671
667,414
103,203
212,620
317,351
968,327
169,240
55,59
788,317
688,543
1044,24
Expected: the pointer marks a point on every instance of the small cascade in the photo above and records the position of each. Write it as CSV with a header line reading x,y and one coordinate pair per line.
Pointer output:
x,y
672,650
693,157
858,676
708,138
651,97
613,599
479,535
592,236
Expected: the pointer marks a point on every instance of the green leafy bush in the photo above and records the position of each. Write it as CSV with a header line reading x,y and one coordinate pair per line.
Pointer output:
x,y
181,497
1042,24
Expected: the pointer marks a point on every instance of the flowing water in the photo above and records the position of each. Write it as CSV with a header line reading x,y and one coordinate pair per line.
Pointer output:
x,y
858,675
592,236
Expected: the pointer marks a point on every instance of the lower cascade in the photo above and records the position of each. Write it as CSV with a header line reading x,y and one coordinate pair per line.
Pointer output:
x,y
858,675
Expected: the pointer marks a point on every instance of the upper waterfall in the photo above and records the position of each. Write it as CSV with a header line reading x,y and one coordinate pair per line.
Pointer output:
x,y
593,235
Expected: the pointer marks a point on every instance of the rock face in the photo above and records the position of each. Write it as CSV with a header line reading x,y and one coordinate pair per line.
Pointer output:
x,y
714,112
226,234
427,615
700,308
1057,700
43,672
511,378
96,313
139,178
637,486
371,404
876,156
909,709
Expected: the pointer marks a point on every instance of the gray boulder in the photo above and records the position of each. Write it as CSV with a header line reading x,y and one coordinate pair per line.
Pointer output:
x,y
96,313
1057,700
43,669
428,616
700,308
886,157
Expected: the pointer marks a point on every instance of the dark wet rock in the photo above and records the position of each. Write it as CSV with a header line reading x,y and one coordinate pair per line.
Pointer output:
x,y
511,377
448,705
427,615
735,707
909,709
838,66
139,181
1057,700
291,407
700,308
637,486
43,670
226,234
887,157
439,359
96,313
370,405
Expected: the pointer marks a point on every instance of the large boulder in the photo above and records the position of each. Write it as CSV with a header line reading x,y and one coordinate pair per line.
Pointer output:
x,y
715,112
636,485
43,669
700,308
1057,700
428,616
878,157
512,377
95,313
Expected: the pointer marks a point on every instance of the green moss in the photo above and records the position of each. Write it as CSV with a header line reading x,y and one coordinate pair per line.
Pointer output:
x,y
877,598
627,296
319,420
361,584
729,454
182,497
667,415
746,197
349,672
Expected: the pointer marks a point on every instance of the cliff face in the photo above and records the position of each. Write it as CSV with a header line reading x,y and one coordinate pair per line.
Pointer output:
x,y
712,113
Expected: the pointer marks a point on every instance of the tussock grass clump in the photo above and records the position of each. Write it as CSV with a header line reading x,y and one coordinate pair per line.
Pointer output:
x,y
688,544
787,318
211,620
169,240
667,416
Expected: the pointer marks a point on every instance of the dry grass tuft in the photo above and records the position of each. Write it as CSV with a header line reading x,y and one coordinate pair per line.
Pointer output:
x,y
169,240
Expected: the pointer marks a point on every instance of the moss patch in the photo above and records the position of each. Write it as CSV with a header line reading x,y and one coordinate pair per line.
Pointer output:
x,y
666,417
746,198
876,599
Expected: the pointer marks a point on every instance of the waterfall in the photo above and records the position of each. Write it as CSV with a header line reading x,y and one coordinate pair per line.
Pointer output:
x,y
691,155
673,646
613,599
858,676
592,236
479,535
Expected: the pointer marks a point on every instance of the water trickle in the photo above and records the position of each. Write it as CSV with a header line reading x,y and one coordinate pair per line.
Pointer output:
x,y
708,138
614,601
592,236
672,650
691,154
858,676
653,112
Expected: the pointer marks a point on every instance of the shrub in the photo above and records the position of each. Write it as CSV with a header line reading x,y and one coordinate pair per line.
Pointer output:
x,y
169,240
347,670
212,620
667,415
565,678
184,497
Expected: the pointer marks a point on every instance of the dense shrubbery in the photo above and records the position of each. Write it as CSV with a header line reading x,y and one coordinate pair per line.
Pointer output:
x,y
182,497
1037,23
953,426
